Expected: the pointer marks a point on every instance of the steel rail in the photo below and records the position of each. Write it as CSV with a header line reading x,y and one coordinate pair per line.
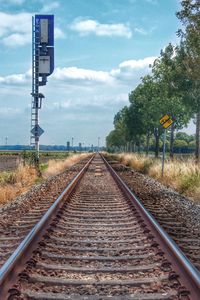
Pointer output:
x,y
17,260
189,275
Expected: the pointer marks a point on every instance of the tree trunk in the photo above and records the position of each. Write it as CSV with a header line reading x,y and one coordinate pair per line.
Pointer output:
x,y
134,147
139,146
129,147
197,151
171,150
147,143
157,138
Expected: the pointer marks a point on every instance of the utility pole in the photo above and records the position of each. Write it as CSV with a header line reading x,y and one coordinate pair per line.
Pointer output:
x,y
6,141
98,143
72,143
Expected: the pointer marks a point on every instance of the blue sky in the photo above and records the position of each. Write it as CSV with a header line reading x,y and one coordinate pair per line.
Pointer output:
x,y
102,48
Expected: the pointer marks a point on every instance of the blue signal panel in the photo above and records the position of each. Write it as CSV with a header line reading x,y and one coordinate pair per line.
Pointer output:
x,y
50,19
50,44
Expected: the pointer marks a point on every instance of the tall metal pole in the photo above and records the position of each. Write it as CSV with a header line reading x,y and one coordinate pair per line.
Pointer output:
x,y
33,77
42,67
36,102
36,99
163,155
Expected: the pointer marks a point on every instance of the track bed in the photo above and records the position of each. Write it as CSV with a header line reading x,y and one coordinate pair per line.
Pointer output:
x,y
98,247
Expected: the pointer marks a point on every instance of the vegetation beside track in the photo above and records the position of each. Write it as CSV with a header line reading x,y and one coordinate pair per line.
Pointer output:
x,y
183,176
19,181
172,87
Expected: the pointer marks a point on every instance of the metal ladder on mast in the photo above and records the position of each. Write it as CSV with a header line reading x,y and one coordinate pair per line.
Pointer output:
x,y
35,82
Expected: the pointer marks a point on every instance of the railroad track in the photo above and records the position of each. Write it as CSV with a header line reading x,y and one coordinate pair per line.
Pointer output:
x,y
17,220
98,242
168,217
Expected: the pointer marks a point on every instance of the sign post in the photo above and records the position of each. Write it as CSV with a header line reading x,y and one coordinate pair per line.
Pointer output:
x,y
164,149
42,67
165,121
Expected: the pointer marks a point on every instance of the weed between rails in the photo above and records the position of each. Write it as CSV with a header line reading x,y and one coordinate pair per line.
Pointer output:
x,y
183,176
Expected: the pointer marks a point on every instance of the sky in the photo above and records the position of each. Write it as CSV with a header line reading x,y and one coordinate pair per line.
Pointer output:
x,y
102,49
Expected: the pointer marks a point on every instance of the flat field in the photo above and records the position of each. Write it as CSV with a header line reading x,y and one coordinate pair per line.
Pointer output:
x,y
11,160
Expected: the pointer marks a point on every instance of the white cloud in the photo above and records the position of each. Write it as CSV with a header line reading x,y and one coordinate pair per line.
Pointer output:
x,y
74,74
58,33
132,69
20,23
74,98
16,30
127,71
50,7
16,79
137,64
16,39
86,27
141,31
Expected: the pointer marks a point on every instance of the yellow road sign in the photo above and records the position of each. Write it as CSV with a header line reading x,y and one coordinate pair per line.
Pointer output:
x,y
168,123
164,119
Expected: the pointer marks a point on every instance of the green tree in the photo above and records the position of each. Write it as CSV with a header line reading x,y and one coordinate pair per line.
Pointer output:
x,y
120,124
180,144
185,137
149,95
189,51
192,145
167,74
115,140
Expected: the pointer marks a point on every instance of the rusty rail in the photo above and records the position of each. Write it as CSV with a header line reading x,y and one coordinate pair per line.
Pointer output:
x,y
17,260
189,275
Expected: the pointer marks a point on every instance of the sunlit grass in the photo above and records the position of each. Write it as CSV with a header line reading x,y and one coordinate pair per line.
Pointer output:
x,y
183,176
57,166
15,183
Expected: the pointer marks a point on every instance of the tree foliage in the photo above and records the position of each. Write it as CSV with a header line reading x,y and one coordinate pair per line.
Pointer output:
x,y
173,88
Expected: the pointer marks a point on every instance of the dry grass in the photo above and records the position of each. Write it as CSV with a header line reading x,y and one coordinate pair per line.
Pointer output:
x,y
137,162
58,166
183,176
15,183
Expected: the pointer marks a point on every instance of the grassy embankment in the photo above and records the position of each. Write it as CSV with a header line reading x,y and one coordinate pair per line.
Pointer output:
x,y
15,183
181,175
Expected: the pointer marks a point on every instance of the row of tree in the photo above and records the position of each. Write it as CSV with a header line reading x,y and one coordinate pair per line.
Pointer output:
x,y
172,88
183,144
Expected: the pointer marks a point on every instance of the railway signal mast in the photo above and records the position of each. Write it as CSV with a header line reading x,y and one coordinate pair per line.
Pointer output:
x,y
42,67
